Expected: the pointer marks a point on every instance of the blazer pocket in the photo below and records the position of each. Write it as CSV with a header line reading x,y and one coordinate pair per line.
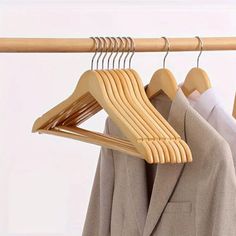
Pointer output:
x,y
178,207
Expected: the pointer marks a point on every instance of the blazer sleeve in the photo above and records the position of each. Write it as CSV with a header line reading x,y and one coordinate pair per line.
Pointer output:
x,y
221,216
98,218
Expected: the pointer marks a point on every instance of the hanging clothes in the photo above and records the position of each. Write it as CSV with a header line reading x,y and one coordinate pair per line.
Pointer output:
x,y
208,105
194,199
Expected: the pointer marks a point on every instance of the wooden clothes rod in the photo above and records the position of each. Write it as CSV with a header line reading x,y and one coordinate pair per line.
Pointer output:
x,y
10,45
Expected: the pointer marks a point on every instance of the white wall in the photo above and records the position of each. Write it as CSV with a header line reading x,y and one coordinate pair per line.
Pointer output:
x,y
45,181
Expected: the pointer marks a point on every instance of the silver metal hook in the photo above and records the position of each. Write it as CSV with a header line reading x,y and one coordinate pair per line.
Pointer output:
x,y
122,52
100,48
96,50
112,50
167,52
201,48
117,51
106,46
128,51
133,50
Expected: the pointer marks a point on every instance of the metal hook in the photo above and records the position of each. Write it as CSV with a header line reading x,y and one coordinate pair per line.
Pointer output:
x,y
100,48
106,46
117,51
201,48
133,50
122,52
96,50
112,50
128,51
167,52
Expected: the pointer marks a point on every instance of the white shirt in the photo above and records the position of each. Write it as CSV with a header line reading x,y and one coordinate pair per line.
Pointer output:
x,y
209,107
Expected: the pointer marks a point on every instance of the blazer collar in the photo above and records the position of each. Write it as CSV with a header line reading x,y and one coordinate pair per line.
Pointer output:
x,y
167,175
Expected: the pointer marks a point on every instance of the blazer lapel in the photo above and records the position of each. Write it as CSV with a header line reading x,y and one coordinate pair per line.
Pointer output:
x,y
167,175
166,179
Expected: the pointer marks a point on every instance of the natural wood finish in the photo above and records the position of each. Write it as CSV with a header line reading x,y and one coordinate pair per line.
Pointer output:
x,y
196,79
121,94
162,80
174,146
94,138
87,44
234,109
130,84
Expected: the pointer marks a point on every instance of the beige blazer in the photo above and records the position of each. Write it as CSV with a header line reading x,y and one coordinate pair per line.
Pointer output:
x,y
196,199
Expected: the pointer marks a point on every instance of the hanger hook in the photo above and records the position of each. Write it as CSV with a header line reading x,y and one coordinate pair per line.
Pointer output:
x,y
201,48
128,50
117,50
123,50
167,42
100,49
112,44
106,46
96,50
132,49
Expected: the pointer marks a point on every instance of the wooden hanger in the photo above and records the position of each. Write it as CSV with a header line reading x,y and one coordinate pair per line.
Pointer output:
x,y
197,78
162,80
107,89
234,109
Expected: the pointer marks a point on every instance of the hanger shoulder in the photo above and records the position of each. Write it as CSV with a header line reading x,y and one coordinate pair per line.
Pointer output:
x,y
196,79
234,109
80,91
162,80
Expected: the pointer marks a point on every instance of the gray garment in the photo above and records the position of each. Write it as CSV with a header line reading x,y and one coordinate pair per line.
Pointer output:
x,y
195,199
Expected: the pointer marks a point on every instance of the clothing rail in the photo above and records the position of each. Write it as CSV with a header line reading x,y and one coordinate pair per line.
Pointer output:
x,y
11,45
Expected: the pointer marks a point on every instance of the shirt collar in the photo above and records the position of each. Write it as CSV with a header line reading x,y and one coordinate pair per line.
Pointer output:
x,y
204,103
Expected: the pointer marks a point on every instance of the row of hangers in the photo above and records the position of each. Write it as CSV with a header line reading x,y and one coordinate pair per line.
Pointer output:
x,y
121,94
